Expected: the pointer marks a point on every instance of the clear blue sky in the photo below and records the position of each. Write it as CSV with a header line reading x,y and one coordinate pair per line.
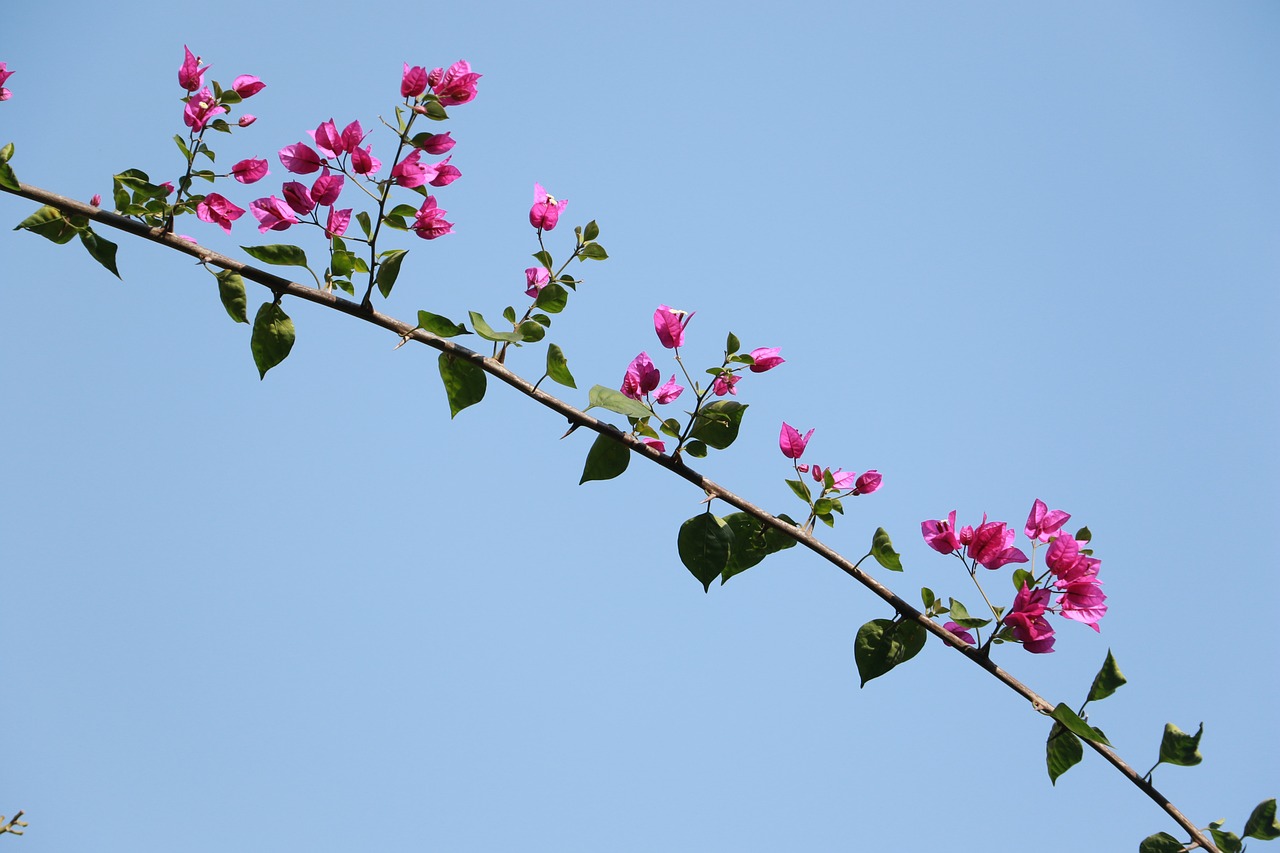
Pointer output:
x,y
1009,251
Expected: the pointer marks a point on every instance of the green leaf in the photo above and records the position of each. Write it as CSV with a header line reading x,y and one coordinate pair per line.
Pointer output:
x,y
753,540
101,250
1178,747
927,596
278,254
696,449
487,332
544,257
960,615
717,423
441,327
404,211
1161,842
366,224
49,223
591,232
272,338
1262,824
882,550
1077,726
137,181
882,644
606,459
558,367
6,153
822,506
704,544
732,344
552,299
1084,534
389,270
670,427
616,401
1022,577
1063,751
593,251
231,292
464,382
435,111
541,319
230,96
1107,681
509,314
531,331
8,179
801,490
1226,842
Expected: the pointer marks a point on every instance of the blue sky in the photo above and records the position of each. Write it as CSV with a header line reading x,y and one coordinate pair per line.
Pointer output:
x,y
1009,251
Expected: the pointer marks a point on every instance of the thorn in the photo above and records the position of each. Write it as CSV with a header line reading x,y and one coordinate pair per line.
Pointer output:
x,y
571,429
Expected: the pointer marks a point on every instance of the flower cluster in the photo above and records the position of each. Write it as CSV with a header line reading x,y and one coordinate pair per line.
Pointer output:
x,y
793,445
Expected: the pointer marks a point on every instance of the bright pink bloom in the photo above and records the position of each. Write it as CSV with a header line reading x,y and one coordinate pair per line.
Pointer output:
x,y
249,171
328,141
992,545
724,384
272,214
536,278
941,535
867,483
791,442
189,73
168,190
545,212
455,86
437,143
201,107
818,473
1063,555
363,162
246,120
641,378
338,222
327,188
96,200
1082,600
216,209
352,136
445,174
656,443
429,222
409,172
246,86
1028,622
1043,524
841,480
5,74
414,81
960,632
668,392
300,158
766,358
298,197
669,326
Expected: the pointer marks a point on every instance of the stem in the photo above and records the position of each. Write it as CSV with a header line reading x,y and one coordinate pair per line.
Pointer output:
x,y
367,301
402,330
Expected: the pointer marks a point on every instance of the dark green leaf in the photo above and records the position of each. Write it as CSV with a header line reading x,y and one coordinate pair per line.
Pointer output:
x,y
1063,751
1077,726
435,111
960,615
801,489
1178,747
49,223
927,596
231,292
717,423
591,232
732,344
822,506
753,540
882,550
552,299
509,314
464,382
882,644
1022,577
696,449
404,211
439,326
101,250
484,330
389,270
366,224
272,338
278,254
1262,824
606,459
671,427
1161,842
704,543
593,251
541,319
1107,681
543,257
8,179
558,367
531,331
1226,842
1084,534
343,263
616,401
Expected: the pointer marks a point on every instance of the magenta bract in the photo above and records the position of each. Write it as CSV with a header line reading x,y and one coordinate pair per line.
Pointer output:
x,y
413,82
337,223
1027,620
669,326
791,442
545,212
216,209
190,74
941,535
201,107
273,214
455,86
429,222
766,358
437,143
246,85
536,278
300,158
249,171
641,377
1043,524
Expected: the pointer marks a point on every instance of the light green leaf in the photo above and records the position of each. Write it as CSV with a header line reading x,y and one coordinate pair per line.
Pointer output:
x,y
439,326
616,401
591,232
594,252
552,299
8,179
558,367
882,550
717,423
484,330
279,254
1161,842
960,615
49,223
389,270
231,292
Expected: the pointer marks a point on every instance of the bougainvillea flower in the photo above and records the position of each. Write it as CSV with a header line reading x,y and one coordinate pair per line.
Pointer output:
x,y
201,107
791,442
352,136
454,86
445,174
656,443
669,326
328,141
246,85
190,74
668,392
960,632
1063,555
298,197
5,74
536,278
246,120
273,214
992,545
414,81
818,473
327,188
167,186
363,162
724,384
545,212
1082,600
96,200
941,535
1027,620
437,143
409,172
766,358
428,222
867,483
641,377
216,209
300,158
249,171
841,479
337,223
1043,523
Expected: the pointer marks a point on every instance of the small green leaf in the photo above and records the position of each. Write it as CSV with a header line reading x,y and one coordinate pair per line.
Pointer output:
x,y
558,367
531,331
435,111
822,506
544,257
882,550
882,644
1161,842
1084,534
1063,751
366,224
101,250
552,299
404,211
49,223
464,382
591,232
960,615
484,330
704,543
670,427
1226,842
389,270
441,327
616,401
1107,681
1262,824
272,339
509,314
801,490
1021,578
278,254
8,179
927,596
231,292
732,344
1179,748
696,449
1077,726
716,424
6,153
606,459
593,251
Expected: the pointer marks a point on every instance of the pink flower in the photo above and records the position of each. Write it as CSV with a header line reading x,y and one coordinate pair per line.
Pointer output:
x,y
992,545
338,222
363,162
249,171
429,222
5,74
960,632
1082,600
167,186
414,81
298,197
96,200
791,442
189,73
867,483
669,326
818,473
656,443
246,86
724,384
1027,620
445,174
246,120
841,479
455,86
352,136
545,212
641,378
327,188
437,143
272,214
766,358
536,278
328,141
1063,555
299,158
409,172
668,392
216,209
201,107
1043,524
941,535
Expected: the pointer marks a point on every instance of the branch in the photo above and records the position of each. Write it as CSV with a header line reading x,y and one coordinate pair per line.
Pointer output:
x,y
284,287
